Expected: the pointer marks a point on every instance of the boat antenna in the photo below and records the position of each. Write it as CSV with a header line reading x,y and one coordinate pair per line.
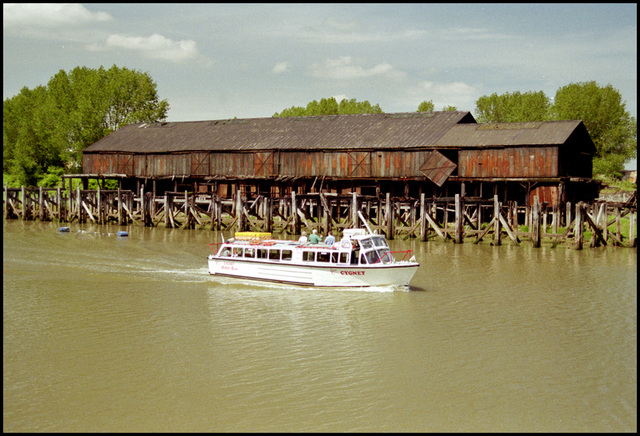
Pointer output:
x,y
365,222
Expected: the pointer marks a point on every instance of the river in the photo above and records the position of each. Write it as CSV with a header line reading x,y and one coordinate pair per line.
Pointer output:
x,y
103,333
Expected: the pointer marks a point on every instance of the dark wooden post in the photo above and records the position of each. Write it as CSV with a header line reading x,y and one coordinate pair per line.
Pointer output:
x,y
81,217
578,232
535,222
632,225
354,210
423,217
459,219
389,215
239,212
294,213
40,204
268,214
120,206
497,233
24,203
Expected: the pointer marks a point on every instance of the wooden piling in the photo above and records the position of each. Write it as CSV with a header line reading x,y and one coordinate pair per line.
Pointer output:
x,y
459,214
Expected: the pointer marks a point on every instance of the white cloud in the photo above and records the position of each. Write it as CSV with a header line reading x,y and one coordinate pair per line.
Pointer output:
x,y
48,14
345,68
457,94
155,46
281,67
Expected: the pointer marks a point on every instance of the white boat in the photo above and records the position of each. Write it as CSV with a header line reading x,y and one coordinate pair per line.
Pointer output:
x,y
360,259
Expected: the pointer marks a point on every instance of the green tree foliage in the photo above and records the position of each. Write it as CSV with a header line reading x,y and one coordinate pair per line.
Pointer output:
x,y
613,131
512,107
329,106
46,129
426,106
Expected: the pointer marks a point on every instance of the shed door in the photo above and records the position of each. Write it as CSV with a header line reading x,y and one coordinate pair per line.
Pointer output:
x,y
437,167
125,164
359,164
263,163
200,164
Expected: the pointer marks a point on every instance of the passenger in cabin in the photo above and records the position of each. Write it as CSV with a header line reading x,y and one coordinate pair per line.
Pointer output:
x,y
314,238
330,240
303,238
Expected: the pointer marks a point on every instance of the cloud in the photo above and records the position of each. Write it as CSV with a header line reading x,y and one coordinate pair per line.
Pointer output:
x,y
345,68
457,94
155,46
48,15
281,67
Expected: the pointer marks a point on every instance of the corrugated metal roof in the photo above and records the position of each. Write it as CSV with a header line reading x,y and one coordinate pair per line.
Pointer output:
x,y
514,134
368,131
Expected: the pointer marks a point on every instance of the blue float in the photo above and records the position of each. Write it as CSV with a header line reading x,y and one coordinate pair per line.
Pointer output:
x,y
123,233
63,229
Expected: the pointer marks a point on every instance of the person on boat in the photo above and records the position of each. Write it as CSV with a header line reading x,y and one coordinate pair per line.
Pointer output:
x,y
303,238
330,239
314,238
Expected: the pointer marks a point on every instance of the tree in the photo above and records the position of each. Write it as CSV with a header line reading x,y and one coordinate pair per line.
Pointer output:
x,y
512,107
27,130
329,106
48,127
426,106
613,131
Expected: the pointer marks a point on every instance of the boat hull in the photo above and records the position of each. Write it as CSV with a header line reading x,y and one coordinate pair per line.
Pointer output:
x,y
399,273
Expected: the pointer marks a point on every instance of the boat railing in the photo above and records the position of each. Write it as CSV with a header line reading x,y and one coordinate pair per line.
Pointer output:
x,y
216,245
392,257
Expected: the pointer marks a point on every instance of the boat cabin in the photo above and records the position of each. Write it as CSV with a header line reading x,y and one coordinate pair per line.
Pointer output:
x,y
355,248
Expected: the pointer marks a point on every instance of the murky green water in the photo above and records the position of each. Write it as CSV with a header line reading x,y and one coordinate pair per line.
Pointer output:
x,y
102,333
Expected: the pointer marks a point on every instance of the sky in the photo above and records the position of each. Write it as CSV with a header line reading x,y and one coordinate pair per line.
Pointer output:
x,y
220,61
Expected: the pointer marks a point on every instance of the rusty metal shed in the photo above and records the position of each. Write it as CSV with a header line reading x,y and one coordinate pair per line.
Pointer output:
x,y
436,151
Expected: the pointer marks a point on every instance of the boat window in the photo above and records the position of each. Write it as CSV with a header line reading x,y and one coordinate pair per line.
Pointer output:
x,y
334,257
237,252
354,257
226,252
308,256
323,256
263,253
385,256
344,257
370,256
366,243
286,254
274,254
249,252
379,241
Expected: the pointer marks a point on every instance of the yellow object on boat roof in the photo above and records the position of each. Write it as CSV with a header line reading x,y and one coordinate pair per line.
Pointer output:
x,y
247,236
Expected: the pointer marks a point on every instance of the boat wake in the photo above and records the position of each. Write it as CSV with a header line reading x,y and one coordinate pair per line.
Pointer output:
x,y
245,284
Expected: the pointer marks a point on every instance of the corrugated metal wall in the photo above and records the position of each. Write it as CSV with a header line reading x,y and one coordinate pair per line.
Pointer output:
x,y
509,162
347,164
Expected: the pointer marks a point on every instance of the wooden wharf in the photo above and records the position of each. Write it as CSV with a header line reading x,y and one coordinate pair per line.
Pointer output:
x,y
456,218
